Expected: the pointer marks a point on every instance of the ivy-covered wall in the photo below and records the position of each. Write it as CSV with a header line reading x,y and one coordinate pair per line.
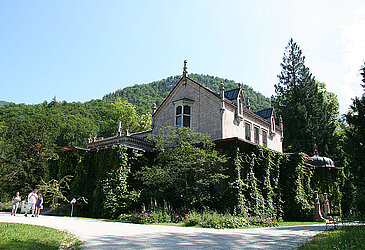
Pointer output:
x,y
261,182
277,185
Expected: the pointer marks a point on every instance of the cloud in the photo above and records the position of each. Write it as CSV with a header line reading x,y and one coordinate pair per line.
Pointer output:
x,y
353,55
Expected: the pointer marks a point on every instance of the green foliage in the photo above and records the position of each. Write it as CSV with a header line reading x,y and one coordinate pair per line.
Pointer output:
x,y
144,95
355,148
296,189
115,188
54,191
216,220
29,134
158,216
187,173
347,237
25,145
22,236
310,113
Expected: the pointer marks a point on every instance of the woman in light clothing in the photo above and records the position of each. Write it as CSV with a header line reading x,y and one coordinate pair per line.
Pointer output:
x,y
16,200
32,199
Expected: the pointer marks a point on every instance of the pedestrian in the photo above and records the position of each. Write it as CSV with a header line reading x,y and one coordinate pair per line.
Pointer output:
x,y
31,201
16,199
39,205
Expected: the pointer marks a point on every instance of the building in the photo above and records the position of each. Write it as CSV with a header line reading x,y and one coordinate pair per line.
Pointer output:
x,y
225,115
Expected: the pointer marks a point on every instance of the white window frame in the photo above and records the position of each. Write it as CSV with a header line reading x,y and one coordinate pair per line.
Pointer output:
x,y
183,103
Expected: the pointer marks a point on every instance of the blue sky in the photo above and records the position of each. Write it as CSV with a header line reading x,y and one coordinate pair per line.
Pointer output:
x,y
82,50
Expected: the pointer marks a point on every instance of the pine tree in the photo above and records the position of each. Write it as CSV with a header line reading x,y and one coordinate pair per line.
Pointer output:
x,y
309,112
355,144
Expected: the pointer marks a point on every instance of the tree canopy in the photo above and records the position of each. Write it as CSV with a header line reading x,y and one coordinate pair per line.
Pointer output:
x,y
310,113
355,145
186,168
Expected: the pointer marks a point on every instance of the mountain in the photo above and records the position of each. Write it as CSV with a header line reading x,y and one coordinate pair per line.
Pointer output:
x,y
144,95
3,103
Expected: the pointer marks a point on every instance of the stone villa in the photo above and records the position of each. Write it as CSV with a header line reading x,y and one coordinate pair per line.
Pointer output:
x,y
223,116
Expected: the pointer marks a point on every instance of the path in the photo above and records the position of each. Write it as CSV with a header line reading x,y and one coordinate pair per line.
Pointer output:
x,y
114,235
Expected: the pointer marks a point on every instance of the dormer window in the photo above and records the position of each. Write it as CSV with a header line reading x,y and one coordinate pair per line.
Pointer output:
x,y
183,110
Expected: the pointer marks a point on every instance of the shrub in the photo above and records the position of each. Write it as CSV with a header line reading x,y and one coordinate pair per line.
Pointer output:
x,y
159,216
214,220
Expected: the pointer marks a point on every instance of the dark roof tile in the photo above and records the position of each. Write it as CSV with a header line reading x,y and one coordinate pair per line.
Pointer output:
x,y
265,113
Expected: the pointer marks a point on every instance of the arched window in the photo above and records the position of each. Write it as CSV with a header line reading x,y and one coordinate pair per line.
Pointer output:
x,y
183,116
183,112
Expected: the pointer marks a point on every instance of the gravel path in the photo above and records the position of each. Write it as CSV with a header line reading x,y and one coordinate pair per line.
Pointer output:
x,y
115,235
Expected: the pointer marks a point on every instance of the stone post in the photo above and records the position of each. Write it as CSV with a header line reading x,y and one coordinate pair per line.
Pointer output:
x,y
326,205
119,132
318,214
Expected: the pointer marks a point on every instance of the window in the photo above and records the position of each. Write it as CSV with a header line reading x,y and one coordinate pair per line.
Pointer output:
x,y
257,135
264,138
183,116
248,131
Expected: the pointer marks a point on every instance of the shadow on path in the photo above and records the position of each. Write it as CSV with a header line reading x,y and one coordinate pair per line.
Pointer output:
x,y
219,240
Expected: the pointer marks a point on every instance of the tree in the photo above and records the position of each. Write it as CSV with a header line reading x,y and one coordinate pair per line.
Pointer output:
x,y
309,112
186,169
355,145
31,143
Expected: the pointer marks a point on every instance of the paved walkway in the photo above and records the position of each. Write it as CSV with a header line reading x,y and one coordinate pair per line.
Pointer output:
x,y
114,235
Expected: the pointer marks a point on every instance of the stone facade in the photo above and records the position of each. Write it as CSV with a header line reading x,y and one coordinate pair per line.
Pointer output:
x,y
223,115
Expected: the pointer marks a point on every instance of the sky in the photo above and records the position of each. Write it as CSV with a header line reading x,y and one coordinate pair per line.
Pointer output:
x,y
82,50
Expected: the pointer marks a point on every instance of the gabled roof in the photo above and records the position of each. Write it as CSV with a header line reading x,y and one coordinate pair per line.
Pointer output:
x,y
196,82
232,94
265,113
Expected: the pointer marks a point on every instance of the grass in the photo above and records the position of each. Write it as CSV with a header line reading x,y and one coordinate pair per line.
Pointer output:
x,y
346,237
297,223
22,236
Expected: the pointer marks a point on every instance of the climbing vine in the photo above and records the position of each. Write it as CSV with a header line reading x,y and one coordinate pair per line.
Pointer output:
x,y
260,182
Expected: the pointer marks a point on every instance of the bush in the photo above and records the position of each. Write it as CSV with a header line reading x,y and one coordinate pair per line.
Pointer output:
x,y
215,220
6,206
159,216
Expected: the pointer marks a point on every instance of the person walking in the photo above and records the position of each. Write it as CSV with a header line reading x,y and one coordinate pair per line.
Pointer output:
x,y
16,199
31,201
39,205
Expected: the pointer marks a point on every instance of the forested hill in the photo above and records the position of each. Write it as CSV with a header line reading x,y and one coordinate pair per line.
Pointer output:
x,y
2,103
144,95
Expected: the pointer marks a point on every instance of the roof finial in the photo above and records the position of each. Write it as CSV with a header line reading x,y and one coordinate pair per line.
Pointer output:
x,y
222,90
154,107
185,69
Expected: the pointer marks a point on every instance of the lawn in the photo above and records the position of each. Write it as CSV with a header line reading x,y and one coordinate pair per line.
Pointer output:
x,y
22,236
297,223
346,237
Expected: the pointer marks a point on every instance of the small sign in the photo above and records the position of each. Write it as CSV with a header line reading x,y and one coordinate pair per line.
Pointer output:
x,y
73,201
